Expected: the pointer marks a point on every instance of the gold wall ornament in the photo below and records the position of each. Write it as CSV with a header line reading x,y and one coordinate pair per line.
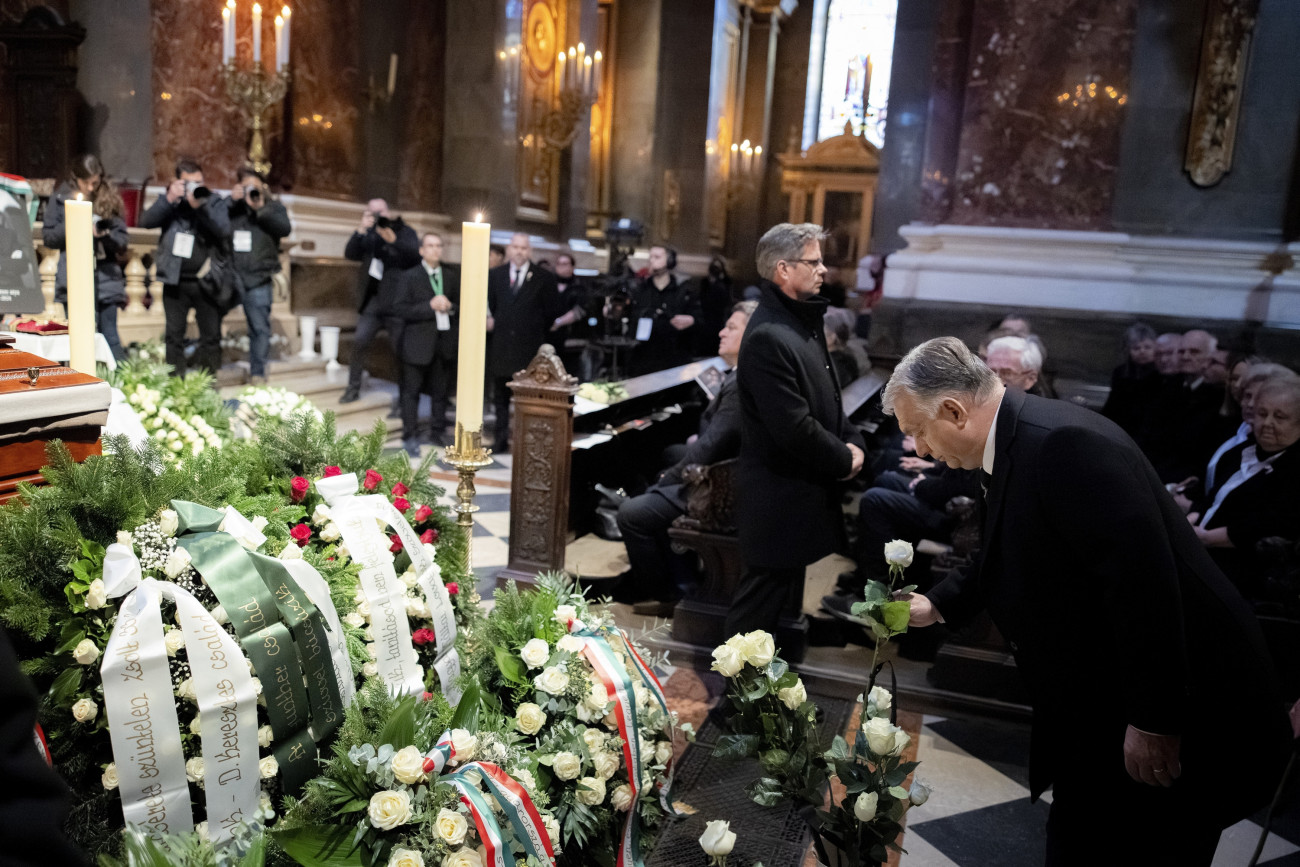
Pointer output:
x,y
253,91
1212,133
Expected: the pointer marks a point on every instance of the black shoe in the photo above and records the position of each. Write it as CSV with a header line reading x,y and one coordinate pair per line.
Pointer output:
x,y
350,395
842,607
607,524
611,497
412,447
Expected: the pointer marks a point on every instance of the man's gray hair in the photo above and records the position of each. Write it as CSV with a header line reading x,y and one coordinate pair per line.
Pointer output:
x,y
784,241
1031,357
745,307
939,368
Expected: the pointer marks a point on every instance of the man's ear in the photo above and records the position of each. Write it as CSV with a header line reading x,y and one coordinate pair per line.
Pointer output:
x,y
953,410
1032,375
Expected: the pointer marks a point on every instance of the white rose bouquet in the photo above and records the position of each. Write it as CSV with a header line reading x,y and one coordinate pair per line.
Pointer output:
x,y
574,689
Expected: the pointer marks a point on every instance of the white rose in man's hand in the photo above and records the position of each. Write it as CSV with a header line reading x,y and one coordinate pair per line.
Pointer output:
x,y
408,765
718,839
388,809
567,765
535,653
898,553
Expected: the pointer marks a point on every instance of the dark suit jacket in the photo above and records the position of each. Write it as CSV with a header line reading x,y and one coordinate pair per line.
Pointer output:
x,y
719,440
667,346
1115,613
523,319
421,339
1266,504
794,430
403,253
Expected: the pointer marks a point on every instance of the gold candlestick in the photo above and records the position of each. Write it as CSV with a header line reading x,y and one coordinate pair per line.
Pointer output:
x,y
253,91
467,456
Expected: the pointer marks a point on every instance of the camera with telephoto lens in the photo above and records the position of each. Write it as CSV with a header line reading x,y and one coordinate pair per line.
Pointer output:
x,y
103,225
383,223
254,193
197,190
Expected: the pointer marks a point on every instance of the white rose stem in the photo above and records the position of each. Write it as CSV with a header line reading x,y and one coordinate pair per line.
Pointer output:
x,y
227,704
386,595
142,720
319,592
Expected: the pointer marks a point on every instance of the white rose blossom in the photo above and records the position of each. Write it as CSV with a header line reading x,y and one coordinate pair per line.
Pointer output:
x,y
291,551
727,660
864,808
264,737
565,614
591,791
759,648
321,514
124,538
85,710
663,752
718,839
408,765
553,680
465,857
598,697
465,744
884,738
530,718
606,764
594,739
168,521
552,828
389,808
451,826
194,770
174,641
879,701
186,690
352,618
369,670
177,562
570,643
793,696
898,553
535,653
920,793
526,779
96,595
567,765
621,798
268,767
109,777
86,652
331,533
405,858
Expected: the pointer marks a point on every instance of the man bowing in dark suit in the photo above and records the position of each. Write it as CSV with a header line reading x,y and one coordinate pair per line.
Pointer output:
x,y
1124,629
522,305
426,301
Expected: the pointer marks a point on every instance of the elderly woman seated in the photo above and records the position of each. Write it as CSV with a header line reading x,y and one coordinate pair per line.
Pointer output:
x,y
1254,495
1243,391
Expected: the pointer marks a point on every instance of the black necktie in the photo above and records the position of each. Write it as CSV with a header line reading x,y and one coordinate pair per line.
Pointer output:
x,y
985,479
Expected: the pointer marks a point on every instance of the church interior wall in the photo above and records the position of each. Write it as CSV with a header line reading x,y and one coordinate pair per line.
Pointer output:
x,y
116,85
635,110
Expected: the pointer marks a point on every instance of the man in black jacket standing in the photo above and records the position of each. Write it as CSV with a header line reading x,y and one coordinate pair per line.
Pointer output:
x,y
797,444
426,301
522,305
1120,623
666,314
385,246
257,223
194,224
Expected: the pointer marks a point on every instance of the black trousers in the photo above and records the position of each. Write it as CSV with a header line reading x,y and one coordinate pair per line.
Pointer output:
x,y
430,379
890,511
501,395
765,592
368,327
657,572
178,300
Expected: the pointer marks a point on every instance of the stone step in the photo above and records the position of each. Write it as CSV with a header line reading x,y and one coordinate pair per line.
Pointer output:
x,y
236,372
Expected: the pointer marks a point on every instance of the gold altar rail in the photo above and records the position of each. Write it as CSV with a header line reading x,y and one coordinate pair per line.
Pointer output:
x,y
138,322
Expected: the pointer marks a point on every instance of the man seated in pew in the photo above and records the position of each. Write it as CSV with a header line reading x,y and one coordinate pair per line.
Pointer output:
x,y
655,580
1018,362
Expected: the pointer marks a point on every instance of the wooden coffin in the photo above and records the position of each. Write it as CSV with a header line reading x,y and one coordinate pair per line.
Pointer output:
x,y
42,401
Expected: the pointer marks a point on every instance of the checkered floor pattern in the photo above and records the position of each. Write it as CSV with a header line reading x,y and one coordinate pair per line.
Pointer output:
x,y
980,813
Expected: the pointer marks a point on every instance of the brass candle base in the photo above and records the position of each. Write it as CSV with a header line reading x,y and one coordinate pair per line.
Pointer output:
x,y
467,457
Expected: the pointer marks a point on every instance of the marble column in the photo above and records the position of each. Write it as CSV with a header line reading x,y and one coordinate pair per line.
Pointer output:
x,y
1046,96
633,173
478,150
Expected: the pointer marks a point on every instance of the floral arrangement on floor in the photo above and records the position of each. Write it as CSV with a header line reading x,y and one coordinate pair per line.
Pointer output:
x,y
257,403
130,532
582,694
774,721
413,783
236,344
602,392
184,414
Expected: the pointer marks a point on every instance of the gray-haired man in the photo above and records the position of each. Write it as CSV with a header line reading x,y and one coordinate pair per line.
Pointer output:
x,y
1094,576
797,444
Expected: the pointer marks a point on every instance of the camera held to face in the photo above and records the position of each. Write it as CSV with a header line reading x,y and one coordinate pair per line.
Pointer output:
x,y
383,223
197,190
253,192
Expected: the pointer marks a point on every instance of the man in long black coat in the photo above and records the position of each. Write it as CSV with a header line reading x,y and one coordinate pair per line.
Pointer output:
x,y
426,301
1156,716
796,443
523,304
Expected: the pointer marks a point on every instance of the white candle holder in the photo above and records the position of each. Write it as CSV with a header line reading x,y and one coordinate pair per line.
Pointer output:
x,y
307,331
329,346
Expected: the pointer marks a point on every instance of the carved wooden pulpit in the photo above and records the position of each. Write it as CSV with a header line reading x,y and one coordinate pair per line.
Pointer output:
x,y
539,484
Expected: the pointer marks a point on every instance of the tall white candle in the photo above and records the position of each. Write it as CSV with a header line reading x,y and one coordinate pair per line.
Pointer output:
x,y
392,73
595,72
80,243
475,239
279,42
257,34
227,35
586,76
287,14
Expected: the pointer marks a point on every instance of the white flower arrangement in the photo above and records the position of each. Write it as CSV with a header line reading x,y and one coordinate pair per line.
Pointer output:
x,y
177,435
261,402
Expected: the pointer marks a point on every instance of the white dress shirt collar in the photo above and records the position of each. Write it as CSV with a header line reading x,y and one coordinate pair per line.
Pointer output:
x,y
990,444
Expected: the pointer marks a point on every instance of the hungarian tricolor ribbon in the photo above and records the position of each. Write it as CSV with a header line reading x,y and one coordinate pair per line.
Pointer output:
x,y
516,806
655,688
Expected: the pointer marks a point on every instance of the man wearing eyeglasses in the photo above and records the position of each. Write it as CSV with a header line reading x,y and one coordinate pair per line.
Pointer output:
x,y
797,444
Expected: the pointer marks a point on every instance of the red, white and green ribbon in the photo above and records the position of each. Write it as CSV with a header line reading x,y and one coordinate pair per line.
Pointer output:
x,y
489,831
656,690
440,755
516,806
613,676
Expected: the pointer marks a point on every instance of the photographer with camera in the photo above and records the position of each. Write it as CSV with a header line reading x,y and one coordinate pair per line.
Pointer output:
x,y
386,247
257,223
87,181
664,313
194,225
